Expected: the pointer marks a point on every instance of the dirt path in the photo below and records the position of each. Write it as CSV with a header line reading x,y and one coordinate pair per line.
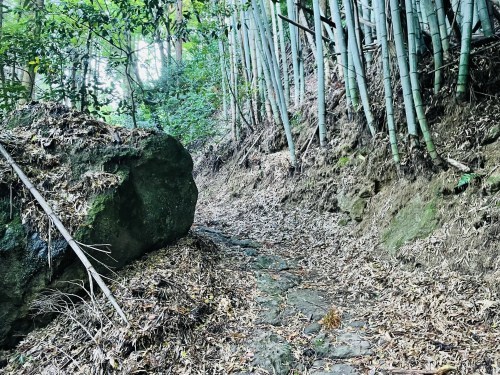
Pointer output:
x,y
299,325
288,331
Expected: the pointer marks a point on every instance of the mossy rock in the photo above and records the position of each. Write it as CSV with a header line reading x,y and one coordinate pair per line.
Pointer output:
x,y
353,205
343,161
417,219
152,206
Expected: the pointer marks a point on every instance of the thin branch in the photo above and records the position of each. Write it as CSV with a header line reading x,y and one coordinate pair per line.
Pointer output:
x,y
324,19
306,29
62,229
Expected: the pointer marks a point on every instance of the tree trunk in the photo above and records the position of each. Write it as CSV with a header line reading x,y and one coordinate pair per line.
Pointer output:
x,y
356,59
386,68
233,49
367,29
291,12
463,68
310,38
257,86
245,48
2,70
484,16
274,29
436,43
403,69
415,83
443,30
320,73
179,19
85,63
340,48
30,71
222,62
269,55
284,62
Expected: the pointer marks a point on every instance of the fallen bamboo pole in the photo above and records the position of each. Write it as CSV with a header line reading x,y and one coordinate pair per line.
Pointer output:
x,y
60,226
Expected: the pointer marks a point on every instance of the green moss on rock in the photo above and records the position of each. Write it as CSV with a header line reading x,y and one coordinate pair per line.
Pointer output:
x,y
152,206
343,161
415,220
352,204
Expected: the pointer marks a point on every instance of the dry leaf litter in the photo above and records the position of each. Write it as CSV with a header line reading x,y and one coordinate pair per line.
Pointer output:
x,y
41,148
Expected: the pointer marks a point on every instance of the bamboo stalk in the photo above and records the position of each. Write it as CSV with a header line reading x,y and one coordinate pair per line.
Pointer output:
x,y
62,229
320,66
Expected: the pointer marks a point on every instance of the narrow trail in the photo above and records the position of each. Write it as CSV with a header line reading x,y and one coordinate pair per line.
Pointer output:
x,y
291,313
299,324
263,286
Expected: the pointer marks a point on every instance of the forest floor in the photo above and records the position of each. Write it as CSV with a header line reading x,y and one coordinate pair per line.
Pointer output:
x,y
276,278
328,298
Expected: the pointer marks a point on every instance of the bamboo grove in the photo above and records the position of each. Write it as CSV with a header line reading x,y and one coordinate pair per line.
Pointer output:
x,y
342,36
261,55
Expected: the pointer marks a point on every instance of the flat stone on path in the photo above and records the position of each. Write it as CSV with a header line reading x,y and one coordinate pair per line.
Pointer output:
x,y
272,353
312,328
312,303
354,346
274,284
351,345
274,263
270,310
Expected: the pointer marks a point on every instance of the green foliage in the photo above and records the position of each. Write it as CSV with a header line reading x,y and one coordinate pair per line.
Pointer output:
x,y
86,53
186,97
466,179
343,161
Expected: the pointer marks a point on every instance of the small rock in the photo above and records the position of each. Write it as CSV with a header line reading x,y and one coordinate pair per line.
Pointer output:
x,y
270,311
311,303
276,285
309,352
312,328
357,324
320,363
321,345
244,243
354,346
250,252
353,205
272,262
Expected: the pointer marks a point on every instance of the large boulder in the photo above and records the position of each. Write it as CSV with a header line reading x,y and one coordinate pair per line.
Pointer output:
x,y
131,189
